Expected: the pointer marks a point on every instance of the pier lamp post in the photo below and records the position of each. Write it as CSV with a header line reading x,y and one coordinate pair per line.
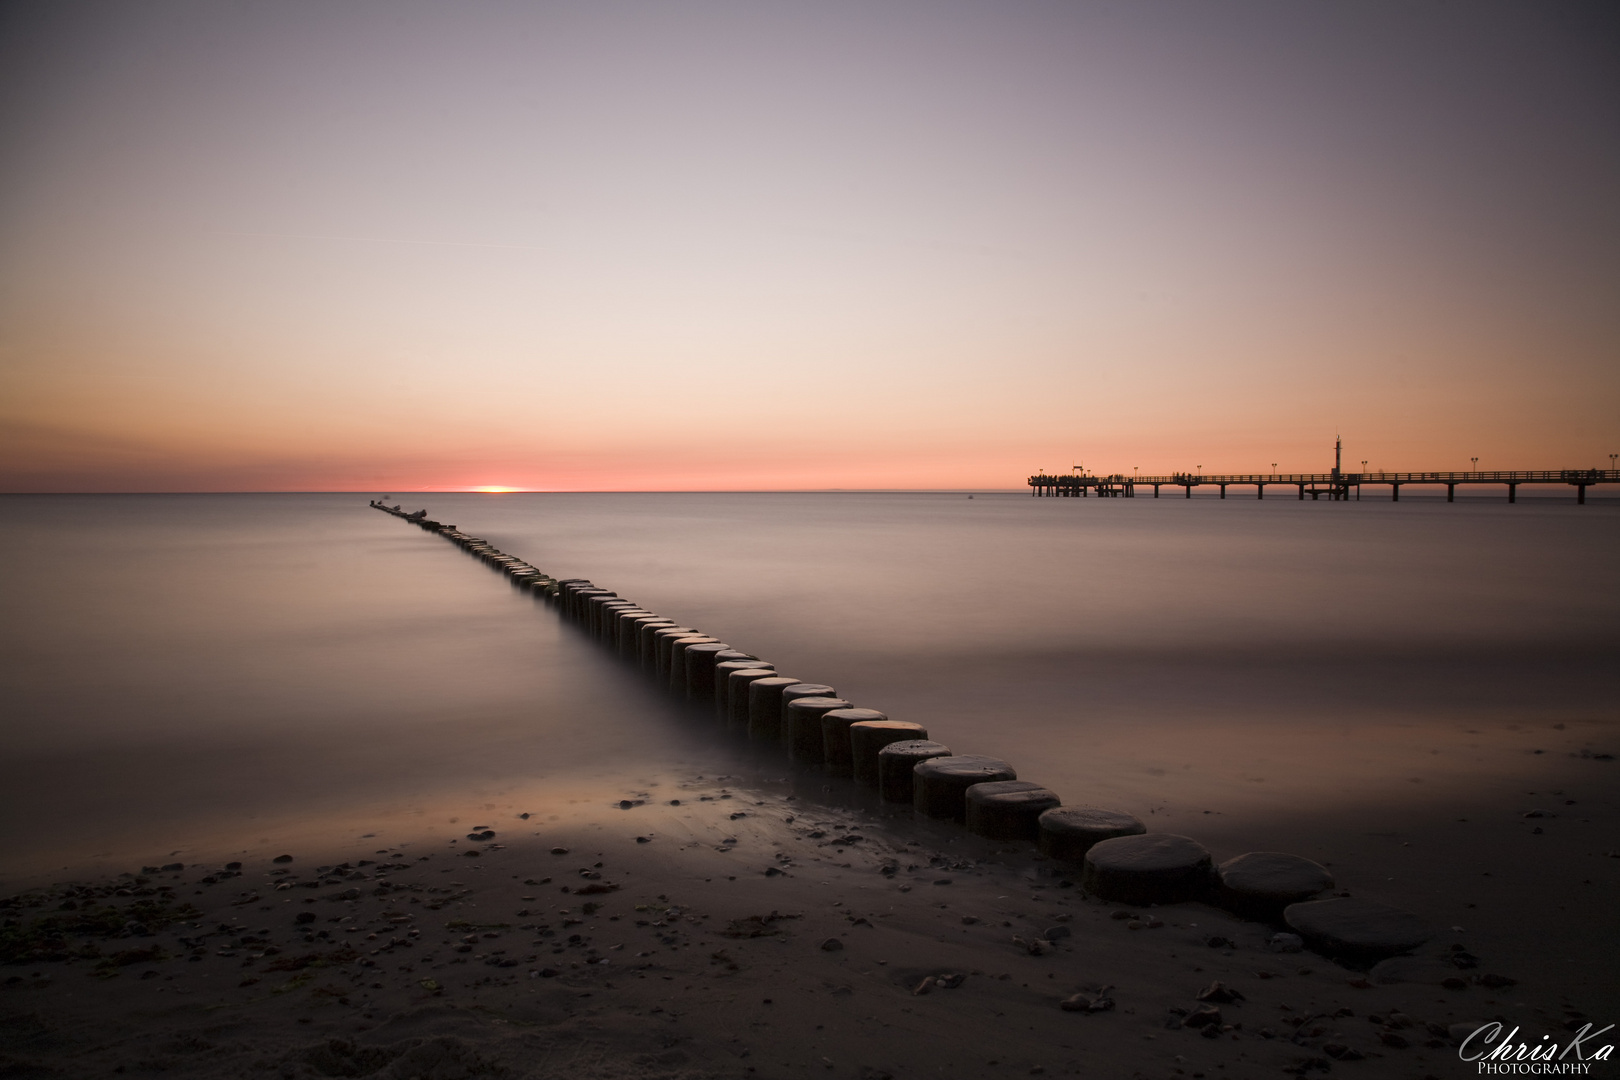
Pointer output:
x,y
1611,461
1475,460
1273,468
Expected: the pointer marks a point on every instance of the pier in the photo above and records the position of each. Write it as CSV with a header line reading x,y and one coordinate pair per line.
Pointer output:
x,y
1335,485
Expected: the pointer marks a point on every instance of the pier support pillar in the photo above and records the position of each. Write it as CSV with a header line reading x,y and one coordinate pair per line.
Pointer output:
x,y
1513,493
1223,491
1302,493
1155,491
1451,493
1260,491
1580,494
1189,490
1395,493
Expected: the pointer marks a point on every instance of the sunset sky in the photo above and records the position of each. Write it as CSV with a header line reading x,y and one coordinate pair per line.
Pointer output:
x,y
306,245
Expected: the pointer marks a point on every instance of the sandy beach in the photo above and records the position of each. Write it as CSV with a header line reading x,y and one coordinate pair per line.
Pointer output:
x,y
702,926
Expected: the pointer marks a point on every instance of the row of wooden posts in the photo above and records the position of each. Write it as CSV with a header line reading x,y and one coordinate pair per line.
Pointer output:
x,y
1119,859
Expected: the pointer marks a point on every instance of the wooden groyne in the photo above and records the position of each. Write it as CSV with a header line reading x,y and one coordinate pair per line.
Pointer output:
x,y
817,730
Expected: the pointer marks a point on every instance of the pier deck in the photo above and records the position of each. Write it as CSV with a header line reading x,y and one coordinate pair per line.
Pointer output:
x,y
1335,485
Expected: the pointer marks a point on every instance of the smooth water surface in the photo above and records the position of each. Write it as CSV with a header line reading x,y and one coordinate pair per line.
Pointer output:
x,y
179,670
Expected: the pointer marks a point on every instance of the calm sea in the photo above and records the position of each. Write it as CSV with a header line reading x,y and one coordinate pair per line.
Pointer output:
x,y
191,673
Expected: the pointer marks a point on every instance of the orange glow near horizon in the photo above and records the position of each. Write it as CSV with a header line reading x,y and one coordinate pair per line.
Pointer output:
x,y
328,248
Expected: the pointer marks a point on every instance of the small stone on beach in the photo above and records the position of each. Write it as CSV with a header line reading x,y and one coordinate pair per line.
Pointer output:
x,y
1087,1003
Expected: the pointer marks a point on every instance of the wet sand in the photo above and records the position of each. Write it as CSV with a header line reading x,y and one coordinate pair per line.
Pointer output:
x,y
758,928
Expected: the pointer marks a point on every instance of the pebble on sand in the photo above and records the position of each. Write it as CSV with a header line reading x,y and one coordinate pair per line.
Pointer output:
x,y
1087,1003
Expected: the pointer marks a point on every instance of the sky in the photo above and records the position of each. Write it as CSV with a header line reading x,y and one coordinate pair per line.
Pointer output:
x,y
306,245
